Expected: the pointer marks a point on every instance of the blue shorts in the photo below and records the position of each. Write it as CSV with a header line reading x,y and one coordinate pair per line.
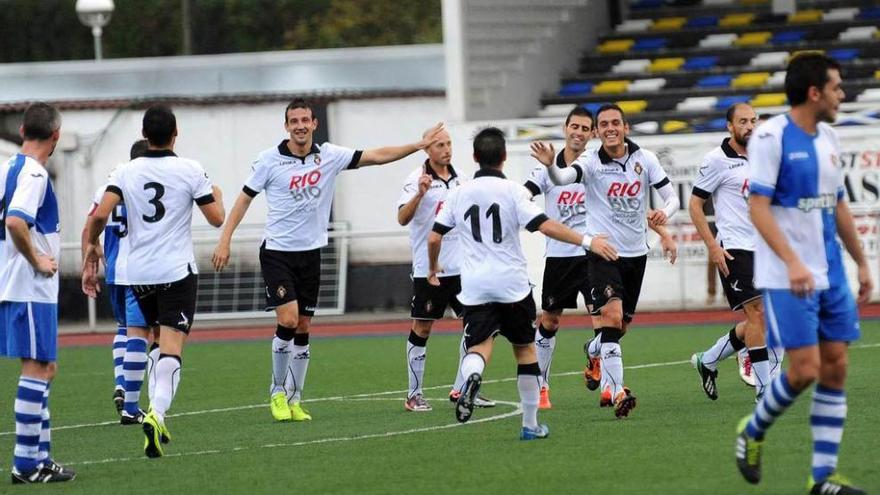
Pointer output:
x,y
827,315
29,330
117,303
134,317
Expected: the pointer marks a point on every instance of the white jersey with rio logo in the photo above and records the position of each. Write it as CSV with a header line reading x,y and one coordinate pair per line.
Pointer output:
x,y
724,175
299,193
565,204
618,193
159,190
489,212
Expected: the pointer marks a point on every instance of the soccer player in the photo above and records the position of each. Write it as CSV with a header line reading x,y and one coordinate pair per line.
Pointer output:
x,y
159,190
616,177
724,177
565,271
798,206
114,234
424,192
495,291
299,178
29,291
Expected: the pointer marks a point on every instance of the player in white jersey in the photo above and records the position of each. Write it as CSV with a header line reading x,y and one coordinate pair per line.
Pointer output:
x,y
798,205
114,235
495,291
29,248
299,178
724,177
616,177
159,190
424,192
566,271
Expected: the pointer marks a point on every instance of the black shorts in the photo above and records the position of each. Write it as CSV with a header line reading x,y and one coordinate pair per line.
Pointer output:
x,y
430,302
564,278
620,279
170,305
291,276
739,286
516,321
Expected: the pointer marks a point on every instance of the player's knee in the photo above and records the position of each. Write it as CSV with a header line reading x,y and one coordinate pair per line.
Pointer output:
x,y
613,316
550,321
802,374
288,320
755,314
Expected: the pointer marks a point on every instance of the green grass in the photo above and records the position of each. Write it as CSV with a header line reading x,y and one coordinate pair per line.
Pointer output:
x,y
676,441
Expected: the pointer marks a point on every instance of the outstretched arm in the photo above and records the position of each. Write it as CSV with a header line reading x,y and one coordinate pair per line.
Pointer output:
x,y
388,154
544,153
598,244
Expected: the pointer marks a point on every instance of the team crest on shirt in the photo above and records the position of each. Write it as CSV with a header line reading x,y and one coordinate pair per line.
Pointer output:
x,y
317,160
609,291
638,168
281,291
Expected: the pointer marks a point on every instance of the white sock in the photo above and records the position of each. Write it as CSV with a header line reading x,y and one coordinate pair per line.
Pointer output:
x,y
167,380
416,354
776,355
152,359
721,350
612,366
470,364
299,365
545,347
760,368
529,390
595,346
280,363
462,352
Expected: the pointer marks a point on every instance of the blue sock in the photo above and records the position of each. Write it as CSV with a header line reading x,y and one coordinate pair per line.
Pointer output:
x,y
119,342
45,427
133,368
778,396
28,419
827,416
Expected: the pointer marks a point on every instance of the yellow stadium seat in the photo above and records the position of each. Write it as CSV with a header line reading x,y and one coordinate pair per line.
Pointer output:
x,y
633,106
753,39
877,75
671,126
611,87
615,46
668,23
753,2
666,64
750,80
731,20
803,16
768,100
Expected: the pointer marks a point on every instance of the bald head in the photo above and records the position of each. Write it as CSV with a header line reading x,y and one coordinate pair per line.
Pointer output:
x,y
741,121
440,151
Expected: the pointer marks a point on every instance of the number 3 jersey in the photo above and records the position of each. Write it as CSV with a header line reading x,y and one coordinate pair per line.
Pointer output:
x,y
617,195
159,190
489,212
299,193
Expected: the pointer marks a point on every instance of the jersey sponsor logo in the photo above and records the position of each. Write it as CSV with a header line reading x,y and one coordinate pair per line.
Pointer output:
x,y
798,155
625,188
570,204
821,201
625,205
304,187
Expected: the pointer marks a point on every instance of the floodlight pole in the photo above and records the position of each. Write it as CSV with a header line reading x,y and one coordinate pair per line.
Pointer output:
x,y
96,34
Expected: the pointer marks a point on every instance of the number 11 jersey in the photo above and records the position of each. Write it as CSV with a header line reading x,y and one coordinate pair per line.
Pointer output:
x,y
159,189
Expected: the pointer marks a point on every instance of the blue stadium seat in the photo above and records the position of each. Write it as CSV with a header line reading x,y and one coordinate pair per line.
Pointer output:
x,y
703,21
650,44
719,81
869,13
700,63
726,101
646,4
844,54
787,37
576,88
713,125
593,107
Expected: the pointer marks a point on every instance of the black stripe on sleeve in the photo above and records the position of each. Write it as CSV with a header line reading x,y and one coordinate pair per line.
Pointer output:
x,y
440,228
536,222
115,190
533,188
580,172
700,193
661,183
205,200
355,160
250,192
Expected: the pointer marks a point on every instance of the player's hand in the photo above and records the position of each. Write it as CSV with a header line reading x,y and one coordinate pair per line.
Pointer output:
x,y
866,286
90,285
46,265
670,249
424,184
719,256
433,279
221,256
543,152
657,217
800,279
603,248
432,135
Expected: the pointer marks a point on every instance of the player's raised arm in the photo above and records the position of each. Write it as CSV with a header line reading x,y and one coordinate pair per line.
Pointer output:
x,y
544,153
388,154
407,211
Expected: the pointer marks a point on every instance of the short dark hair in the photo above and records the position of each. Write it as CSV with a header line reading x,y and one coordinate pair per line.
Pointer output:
x,y
805,71
611,106
731,110
579,111
138,148
489,147
160,125
40,120
298,103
